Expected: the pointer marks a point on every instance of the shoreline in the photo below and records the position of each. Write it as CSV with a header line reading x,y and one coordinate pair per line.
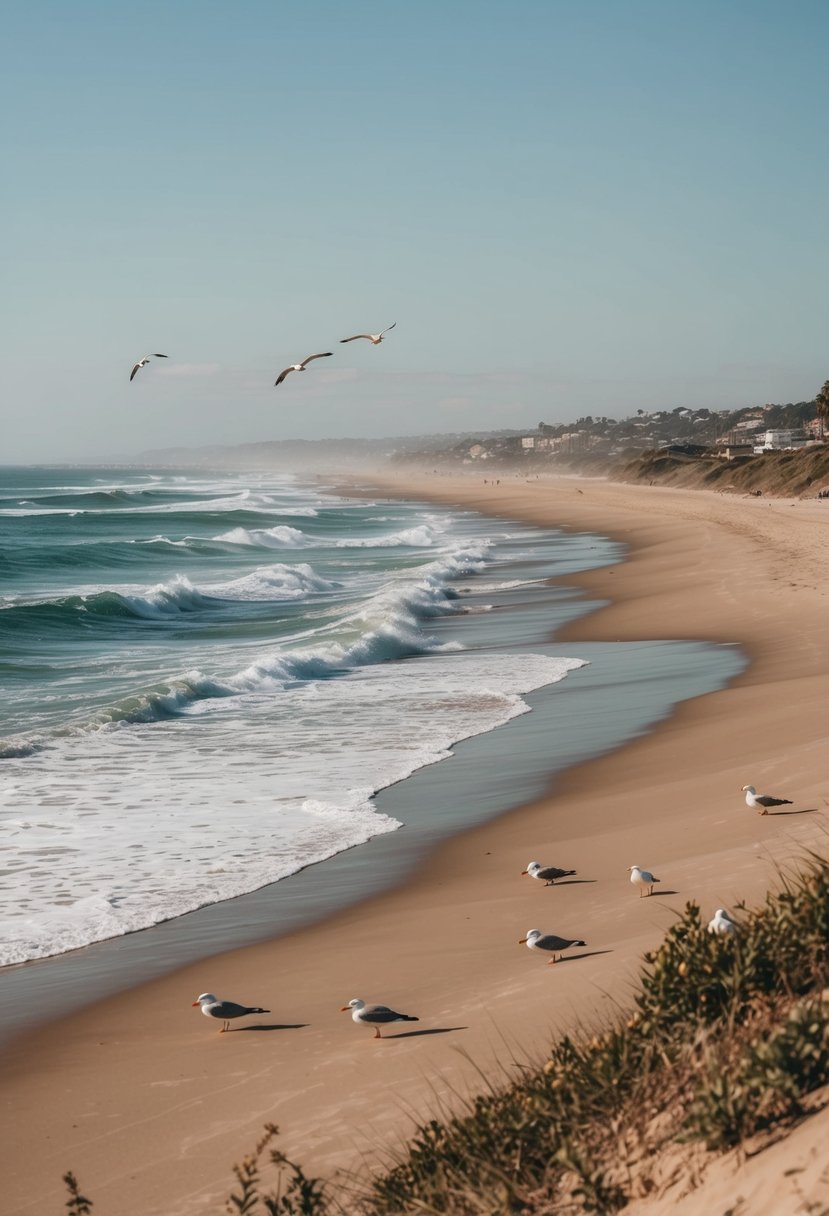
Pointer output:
x,y
442,944
527,615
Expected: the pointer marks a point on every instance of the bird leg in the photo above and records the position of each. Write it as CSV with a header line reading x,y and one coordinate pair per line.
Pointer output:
x,y
377,1033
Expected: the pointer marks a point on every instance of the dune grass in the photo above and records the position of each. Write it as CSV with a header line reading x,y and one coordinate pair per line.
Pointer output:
x,y
726,1037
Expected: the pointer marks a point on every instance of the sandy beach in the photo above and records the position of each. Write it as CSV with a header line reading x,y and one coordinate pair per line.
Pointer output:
x,y
150,1107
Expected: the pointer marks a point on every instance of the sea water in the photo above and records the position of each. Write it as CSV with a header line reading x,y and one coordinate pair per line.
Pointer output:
x,y
206,678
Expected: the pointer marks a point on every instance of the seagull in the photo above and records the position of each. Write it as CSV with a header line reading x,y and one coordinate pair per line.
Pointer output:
x,y
762,802
212,1007
536,940
145,360
374,1015
721,923
643,878
300,367
375,339
547,874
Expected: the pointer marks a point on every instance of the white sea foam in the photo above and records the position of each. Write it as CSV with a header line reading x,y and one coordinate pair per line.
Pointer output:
x,y
141,828
275,582
421,537
165,599
282,536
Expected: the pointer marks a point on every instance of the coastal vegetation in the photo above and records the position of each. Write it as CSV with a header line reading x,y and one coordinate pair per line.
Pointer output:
x,y
725,1039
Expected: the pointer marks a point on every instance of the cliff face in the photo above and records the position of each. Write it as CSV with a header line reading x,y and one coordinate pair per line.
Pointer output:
x,y
800,474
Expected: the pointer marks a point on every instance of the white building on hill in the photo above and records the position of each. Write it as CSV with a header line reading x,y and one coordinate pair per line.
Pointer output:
x,y
779,441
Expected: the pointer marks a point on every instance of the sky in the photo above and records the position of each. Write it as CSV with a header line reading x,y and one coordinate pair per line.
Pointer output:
x,y
569,207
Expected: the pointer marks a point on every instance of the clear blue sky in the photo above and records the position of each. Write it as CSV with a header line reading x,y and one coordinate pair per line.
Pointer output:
x,y
568,206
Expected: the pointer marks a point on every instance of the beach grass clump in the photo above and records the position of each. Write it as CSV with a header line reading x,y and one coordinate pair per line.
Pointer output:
x,y
753,1085
296,1194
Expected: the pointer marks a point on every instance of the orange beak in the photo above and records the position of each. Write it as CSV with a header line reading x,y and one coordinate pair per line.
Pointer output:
x,y
193,1006
522,941
525,871
345,1009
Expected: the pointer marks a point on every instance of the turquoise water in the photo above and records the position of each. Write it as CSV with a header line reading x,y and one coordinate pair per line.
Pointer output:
x,y
207,678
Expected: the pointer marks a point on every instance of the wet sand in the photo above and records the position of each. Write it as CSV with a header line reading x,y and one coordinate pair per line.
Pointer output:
x,y
150,1106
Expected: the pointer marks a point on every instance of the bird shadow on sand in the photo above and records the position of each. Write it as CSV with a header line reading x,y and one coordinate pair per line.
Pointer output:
x,y
414,1034
660,892
571,882
808,810
269,1026
572,958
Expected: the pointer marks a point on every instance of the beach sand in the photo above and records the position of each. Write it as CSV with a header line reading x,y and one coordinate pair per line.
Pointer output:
x,y
150,1106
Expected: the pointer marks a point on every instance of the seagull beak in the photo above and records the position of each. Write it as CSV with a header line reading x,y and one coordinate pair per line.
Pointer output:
x,y
345,1009
522,941
525,871
195,1003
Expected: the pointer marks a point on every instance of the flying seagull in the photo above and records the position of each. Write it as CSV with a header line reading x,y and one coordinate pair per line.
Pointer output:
x,y
300,367
375,339
212,1007
642,878
721,923
146,359
546,874
374,1015
762,802
536,940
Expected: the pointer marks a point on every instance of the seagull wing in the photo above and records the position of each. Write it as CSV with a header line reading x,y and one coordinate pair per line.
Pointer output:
x,y
310,359
767,800
550,941
354,337
282,375
388,327
135,369
381,1013
158,356
551,873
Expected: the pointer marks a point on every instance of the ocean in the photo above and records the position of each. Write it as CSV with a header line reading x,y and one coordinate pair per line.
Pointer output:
x,y
207,678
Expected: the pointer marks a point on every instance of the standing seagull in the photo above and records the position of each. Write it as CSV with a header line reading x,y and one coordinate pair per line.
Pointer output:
x,y
145,360
762,802
374,1015
300,367
375,339
546,874
536,940
642,878
721,923
212,1007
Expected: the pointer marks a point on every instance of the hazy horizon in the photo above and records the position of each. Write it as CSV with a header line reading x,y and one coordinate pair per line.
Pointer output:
x,y
566,209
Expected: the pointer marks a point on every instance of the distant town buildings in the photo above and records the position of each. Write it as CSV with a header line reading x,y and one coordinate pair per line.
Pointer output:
x,y
780,440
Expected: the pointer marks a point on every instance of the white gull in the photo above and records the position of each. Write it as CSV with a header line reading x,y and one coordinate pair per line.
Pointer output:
x,y
212,1007
536,940
143,362
546,874
762,802
300,367
375,339
374,1015
642,878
